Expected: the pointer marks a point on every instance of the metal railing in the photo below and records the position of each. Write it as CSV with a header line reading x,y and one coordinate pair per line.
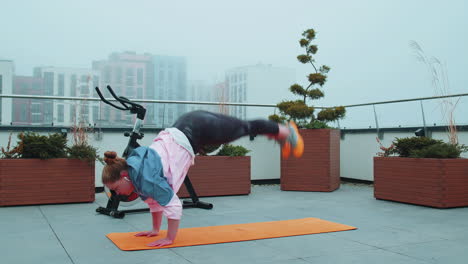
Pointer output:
x,y
420,99
218,103
373,104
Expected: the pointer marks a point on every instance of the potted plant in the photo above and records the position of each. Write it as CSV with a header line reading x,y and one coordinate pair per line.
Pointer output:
x,y
43,170
319,167
423,171
225,173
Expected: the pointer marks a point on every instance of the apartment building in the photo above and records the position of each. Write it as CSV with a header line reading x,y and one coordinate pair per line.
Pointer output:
x,y
6,87
66,82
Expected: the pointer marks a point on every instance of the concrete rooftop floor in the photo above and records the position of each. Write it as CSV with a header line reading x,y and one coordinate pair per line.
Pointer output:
x,y
388,232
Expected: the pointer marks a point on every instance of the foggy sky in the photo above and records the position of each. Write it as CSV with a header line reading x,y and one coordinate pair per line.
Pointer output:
x,y
366,42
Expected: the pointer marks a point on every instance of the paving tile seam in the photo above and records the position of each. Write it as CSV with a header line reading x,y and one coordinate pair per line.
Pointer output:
x,y
180,255
55,234
399,253
436,238
400,244
412,257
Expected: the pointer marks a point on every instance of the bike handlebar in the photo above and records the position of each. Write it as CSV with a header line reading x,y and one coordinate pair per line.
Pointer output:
x,y
134,108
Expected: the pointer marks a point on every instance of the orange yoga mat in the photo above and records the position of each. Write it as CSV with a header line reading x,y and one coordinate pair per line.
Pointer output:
x,y
230,233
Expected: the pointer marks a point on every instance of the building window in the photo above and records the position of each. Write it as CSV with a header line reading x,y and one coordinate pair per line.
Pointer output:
x,y
61,85
36,86
49,83
129,76
84,109
140,93
84,84
128,118
35,118
235,94
21,88
95,84
73,85
73,113
139,76
182,75
106,113
107,74
129,93
118,74
171,116
35,108
169,77
95,113
117,90
117,116
23,110
161,77
36,115
60,113
245,92
84,113
84,89
48,111
95,81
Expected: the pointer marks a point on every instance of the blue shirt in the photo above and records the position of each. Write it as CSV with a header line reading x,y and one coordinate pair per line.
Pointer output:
x,y
146,173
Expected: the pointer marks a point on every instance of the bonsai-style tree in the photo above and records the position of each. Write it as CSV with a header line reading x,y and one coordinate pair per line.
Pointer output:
x,y
298,110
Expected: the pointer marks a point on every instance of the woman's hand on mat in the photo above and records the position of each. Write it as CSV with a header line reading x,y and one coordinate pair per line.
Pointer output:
x,y
161,242
151,233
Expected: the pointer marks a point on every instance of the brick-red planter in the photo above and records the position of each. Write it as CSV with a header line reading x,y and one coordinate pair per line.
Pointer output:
x,y
219,175
35,181
441,183
318,170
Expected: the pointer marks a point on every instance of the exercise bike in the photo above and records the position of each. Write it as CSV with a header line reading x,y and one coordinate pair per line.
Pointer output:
x,y
114,200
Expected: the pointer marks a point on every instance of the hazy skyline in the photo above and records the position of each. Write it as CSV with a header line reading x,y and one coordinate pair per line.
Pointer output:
x,y
366,43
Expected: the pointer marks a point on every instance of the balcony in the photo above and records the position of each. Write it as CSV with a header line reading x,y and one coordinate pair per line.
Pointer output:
x,y
388,232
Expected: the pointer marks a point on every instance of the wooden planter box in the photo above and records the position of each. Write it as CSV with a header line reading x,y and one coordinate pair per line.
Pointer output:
x,y
35,181
219,175
318,170
441,183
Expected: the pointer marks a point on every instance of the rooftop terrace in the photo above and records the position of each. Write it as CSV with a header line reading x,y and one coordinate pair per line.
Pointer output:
x,y
388,232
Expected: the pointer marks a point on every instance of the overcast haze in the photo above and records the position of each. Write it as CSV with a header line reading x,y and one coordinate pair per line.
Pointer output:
x,y
366,43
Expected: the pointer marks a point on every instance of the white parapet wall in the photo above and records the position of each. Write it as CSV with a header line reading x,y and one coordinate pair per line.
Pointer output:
x,y
359,147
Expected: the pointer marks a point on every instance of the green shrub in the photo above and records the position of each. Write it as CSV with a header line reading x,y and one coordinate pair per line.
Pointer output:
x,y
84,152
423,147
439,151
36,146
404,146
232,150
315,124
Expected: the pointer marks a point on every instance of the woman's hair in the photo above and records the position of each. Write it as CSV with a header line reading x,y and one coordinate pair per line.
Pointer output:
x,y
114,165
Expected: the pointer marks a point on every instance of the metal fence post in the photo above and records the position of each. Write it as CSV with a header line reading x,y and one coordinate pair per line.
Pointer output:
x,y
424,119
379,135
